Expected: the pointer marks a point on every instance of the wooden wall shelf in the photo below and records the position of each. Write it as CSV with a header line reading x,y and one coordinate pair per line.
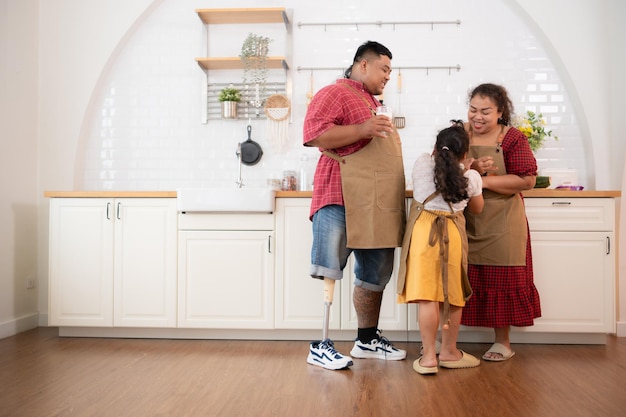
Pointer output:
x,y
246,16
251,15
273,62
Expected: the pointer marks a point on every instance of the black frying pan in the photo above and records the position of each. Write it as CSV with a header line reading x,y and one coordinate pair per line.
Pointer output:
x,y
251,151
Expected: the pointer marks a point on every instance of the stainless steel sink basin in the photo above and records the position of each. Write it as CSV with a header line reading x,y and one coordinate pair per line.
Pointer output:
x,y
226,200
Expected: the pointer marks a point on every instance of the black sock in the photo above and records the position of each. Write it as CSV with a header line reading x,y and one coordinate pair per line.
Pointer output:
x,y
367,334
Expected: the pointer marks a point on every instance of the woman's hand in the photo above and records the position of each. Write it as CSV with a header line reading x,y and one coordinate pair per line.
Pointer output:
x,y
484,165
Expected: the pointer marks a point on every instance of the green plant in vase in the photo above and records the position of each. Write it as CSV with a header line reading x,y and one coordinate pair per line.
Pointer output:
x,y
532,125
230,94
229,97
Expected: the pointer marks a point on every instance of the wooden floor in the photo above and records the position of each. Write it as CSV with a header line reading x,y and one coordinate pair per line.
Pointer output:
x,y
42,375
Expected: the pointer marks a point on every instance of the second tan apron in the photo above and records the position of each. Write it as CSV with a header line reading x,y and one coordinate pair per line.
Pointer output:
x,y
497,236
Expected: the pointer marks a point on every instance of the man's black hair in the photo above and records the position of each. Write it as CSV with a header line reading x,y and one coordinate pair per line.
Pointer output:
x,y
368,48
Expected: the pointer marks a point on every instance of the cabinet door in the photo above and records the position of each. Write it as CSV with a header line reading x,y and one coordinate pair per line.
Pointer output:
x,y
226,279
574,273
81,262
393,316
299,298
145,262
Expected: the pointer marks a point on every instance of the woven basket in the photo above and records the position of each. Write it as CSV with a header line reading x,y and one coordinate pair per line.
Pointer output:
x,y
277,107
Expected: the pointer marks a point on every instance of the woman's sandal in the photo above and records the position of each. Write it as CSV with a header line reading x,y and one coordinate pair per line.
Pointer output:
x,y
504,352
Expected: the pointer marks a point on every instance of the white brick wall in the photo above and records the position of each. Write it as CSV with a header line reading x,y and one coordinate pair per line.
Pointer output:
x,y
143,129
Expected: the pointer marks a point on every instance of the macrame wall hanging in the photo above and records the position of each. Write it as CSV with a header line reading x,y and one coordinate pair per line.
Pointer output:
x,y
277,109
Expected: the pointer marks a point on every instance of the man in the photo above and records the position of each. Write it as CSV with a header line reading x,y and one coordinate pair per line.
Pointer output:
x,y
358,199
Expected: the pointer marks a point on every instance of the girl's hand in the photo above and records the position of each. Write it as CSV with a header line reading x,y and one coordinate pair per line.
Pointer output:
x,y
467,163
484,165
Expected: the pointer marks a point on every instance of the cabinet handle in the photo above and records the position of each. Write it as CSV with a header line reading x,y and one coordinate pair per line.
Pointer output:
x,y
108,208
269,244
118,211
608,245
561,203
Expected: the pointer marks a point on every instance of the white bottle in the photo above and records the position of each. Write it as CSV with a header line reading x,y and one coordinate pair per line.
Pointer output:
x,y
303,180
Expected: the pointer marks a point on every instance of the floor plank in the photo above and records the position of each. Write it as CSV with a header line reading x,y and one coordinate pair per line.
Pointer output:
x,y
42,375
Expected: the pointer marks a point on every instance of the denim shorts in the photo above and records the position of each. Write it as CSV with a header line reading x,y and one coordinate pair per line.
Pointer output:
x,y
329,254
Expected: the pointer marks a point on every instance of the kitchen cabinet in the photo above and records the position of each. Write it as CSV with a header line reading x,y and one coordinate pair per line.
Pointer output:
x,y
120,264
299,298
574,247
243,16
112,262
226,271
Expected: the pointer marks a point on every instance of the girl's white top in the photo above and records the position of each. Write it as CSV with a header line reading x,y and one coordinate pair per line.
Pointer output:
x,y
424,185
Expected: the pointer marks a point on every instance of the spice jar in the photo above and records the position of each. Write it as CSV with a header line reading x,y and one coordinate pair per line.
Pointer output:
x,y
289,181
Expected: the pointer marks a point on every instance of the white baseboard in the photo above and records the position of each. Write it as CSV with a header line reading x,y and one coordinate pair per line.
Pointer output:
x,y
477,336
621,329
19,325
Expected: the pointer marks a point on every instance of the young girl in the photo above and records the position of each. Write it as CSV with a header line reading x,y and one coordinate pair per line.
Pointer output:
x,y
433,264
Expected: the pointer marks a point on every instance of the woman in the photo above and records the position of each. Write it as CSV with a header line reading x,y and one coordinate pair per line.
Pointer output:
x,y
434,250
500,258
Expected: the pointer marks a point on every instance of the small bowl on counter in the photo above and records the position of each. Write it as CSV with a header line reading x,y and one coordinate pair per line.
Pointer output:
x,y
570,187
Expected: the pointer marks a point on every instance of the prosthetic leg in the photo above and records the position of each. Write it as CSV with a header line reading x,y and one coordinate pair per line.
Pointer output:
x,y
322,352
329,292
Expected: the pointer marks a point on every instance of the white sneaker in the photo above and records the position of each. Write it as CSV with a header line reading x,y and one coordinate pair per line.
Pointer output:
x,y
380,348
323,353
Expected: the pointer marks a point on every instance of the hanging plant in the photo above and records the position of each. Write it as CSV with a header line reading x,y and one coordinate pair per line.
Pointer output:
x,y
254,57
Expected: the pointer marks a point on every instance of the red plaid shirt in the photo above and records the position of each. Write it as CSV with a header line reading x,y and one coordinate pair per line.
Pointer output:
x,y
335,105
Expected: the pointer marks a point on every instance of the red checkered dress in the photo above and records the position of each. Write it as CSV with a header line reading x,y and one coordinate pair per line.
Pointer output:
x,y
506,295
334,105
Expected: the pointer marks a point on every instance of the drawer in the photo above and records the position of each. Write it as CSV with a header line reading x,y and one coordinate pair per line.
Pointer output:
x,y
571,214
225,221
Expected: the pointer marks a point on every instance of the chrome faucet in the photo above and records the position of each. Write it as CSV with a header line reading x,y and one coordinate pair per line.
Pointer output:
x,y
239,180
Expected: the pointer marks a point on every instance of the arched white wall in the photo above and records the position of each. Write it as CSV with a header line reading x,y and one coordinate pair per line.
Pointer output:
x,y
78,38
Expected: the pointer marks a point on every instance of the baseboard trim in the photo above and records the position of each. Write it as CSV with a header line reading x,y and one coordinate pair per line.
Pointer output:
x,y
19,325
475,336
621,329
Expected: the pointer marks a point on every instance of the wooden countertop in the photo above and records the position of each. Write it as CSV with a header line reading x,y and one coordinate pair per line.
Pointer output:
x,y
110,194
554,193
534,193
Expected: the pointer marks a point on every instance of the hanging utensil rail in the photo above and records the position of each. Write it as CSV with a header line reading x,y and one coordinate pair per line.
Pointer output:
x,y
427,68
432,23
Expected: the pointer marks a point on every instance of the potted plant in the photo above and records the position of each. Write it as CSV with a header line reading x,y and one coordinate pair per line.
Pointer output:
x,y
532,125
229,97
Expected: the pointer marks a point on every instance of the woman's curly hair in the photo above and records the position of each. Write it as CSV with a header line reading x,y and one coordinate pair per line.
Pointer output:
x,y
500,97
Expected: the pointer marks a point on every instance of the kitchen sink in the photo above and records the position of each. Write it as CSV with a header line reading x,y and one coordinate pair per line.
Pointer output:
x,y
226,200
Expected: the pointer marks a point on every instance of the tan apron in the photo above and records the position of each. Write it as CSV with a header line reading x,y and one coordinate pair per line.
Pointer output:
x,y
373,187
438,234
497,236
